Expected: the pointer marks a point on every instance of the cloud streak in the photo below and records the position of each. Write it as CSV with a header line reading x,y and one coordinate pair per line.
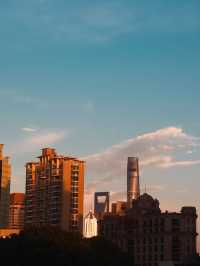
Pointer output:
x,y
29,129
38,140
22,99
153,149
158,149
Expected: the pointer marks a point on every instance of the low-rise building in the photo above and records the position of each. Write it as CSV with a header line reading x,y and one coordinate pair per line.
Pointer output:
x,y
119,207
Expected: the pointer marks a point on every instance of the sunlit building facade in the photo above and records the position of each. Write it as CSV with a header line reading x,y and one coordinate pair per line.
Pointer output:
x,y
90,226
16,213
5,176
133,181
54,191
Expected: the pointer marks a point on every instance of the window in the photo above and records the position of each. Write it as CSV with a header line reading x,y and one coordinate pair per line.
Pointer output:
x,y
74,195
75,178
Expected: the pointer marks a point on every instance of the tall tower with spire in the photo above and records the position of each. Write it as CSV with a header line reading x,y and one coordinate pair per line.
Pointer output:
x,y
133,182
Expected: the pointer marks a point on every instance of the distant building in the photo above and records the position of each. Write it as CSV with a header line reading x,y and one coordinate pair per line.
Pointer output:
x,y
119,207
90,226
5,175
153,237
101,204
54,191
7,233
16,214
133,182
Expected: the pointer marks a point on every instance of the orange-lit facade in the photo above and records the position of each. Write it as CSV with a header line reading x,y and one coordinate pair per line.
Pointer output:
x,y
5,174
16,214
54,191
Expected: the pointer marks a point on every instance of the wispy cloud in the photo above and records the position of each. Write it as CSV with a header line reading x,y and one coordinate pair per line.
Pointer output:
x,y
29,129
153,149
38,140
16,97
172,163
157,149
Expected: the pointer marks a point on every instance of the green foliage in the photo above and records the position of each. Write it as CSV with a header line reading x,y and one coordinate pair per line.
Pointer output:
x,y
50,246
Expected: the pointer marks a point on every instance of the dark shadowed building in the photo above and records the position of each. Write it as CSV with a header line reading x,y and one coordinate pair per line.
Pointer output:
x,y
119,207
101,204
151,236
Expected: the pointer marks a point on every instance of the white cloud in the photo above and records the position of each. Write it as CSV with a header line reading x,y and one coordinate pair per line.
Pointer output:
x,y
46,138
39,140
173,163
156,149
29,129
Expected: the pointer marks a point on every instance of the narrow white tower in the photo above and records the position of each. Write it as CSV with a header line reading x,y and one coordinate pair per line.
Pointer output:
x,y
133,182
90,226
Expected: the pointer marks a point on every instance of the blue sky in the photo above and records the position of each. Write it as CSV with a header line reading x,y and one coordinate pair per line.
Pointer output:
x,y
87,75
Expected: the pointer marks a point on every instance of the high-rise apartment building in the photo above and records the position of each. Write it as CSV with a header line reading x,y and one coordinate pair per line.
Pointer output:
x,y
16,214
54,191
133,183
5,175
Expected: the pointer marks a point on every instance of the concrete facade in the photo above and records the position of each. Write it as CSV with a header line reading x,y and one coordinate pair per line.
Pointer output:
x,y
54,191
16,213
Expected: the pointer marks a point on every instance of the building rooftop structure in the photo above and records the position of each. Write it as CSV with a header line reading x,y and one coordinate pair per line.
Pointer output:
x,y
150,235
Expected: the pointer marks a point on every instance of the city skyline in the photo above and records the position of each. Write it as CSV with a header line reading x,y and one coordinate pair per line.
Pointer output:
x,y
167,151
104,81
